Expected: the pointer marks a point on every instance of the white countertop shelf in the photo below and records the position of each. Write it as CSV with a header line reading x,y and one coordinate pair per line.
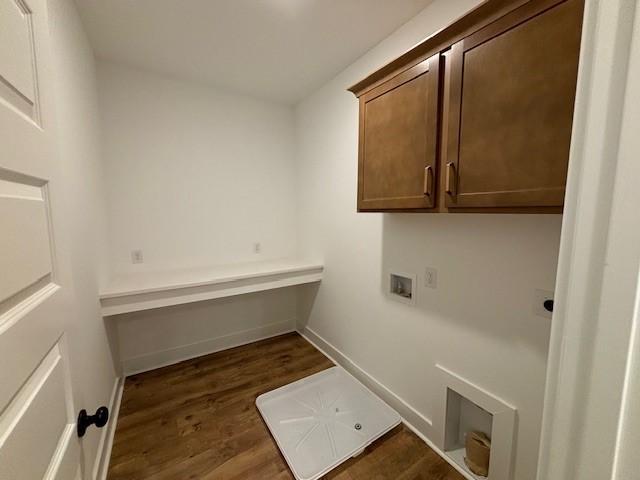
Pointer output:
x,y
147,290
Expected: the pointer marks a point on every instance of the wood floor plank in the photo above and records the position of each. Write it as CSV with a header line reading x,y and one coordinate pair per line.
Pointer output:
x,y
197,420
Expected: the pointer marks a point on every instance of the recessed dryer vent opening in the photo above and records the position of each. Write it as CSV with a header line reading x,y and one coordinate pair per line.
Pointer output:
x,y
468,410
463,418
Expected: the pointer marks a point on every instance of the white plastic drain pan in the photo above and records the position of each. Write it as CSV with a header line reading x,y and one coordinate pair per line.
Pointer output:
x,y
324,419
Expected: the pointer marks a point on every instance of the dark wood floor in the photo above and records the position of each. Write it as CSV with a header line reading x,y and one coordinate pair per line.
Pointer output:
x,y
198,420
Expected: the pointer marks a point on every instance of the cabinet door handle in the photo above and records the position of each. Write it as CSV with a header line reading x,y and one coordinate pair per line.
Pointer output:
x,y
427,187
450,179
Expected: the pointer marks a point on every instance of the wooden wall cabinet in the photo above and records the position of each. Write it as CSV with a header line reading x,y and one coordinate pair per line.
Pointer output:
x,y
399,140
478,117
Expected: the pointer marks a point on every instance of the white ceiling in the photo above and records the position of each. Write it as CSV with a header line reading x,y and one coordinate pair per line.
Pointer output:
x,y
279,50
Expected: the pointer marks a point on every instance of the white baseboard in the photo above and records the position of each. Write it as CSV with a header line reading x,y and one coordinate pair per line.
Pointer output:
x,y
151,361
406,411
101,465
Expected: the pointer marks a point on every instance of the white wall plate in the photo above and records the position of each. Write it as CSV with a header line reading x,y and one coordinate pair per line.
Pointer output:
x,y
447,424
402,287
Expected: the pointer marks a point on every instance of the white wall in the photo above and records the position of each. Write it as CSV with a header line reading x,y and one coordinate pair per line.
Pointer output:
x,y
79,212
478,323
195,175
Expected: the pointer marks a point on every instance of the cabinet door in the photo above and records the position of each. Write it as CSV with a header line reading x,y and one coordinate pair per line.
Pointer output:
x,y
398,141
510,108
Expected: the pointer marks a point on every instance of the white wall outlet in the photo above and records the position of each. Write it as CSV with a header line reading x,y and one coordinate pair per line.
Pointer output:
x,y
539,299
430,277
136,256
257,248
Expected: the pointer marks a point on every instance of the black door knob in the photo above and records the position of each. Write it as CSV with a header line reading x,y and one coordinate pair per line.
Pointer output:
x,y
99,419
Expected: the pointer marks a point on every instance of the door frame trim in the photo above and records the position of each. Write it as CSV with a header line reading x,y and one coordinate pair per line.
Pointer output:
x,y
597,279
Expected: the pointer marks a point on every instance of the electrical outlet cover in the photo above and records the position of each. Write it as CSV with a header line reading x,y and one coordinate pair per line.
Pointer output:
x,y
136,256
431,277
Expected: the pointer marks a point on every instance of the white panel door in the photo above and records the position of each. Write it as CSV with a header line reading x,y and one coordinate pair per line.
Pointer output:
x,y
37,416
